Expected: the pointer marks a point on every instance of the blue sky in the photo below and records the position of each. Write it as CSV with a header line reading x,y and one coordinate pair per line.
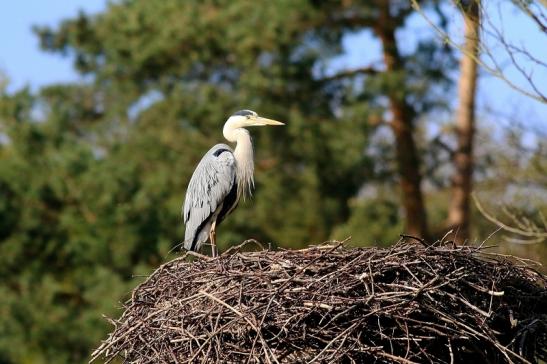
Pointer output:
x,y
20,56
25,64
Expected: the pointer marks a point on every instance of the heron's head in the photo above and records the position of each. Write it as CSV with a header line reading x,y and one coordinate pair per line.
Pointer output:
x,y
243,119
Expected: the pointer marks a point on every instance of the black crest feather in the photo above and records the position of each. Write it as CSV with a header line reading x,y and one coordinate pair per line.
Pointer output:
x,y
244,113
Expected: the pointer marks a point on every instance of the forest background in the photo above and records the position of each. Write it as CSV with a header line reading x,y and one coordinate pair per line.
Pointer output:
x,y
425,118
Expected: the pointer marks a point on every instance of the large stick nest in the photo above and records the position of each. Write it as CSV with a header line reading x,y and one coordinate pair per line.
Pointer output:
x,y
404,304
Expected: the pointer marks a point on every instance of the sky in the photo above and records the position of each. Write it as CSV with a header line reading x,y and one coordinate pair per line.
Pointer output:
x,y
25,64
497,102
21,59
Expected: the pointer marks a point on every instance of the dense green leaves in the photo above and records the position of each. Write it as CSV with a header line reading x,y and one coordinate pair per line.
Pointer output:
x,y
93,175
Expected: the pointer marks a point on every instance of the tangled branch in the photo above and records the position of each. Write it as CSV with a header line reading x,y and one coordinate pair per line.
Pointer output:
x,y
406,304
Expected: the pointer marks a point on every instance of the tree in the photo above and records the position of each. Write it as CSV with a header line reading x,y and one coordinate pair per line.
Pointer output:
x,y
225,59
285,52
402,122
93,174
489,54
459,213
521,59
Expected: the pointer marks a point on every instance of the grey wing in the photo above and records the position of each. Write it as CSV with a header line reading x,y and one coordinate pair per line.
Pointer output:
x,y
211,182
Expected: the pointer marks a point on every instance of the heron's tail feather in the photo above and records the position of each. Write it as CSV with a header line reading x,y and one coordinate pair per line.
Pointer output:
x,y
188,244
194,239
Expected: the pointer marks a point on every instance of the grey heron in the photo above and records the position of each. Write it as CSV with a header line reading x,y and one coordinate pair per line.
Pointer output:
x,y
221,178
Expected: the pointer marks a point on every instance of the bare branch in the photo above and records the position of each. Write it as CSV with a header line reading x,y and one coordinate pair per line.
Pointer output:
x,y
447,148
534,233
368,70
512,51
332,304
494,70
525,7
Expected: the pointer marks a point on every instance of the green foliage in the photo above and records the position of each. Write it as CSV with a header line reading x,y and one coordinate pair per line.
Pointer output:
x,y
374,221
93,175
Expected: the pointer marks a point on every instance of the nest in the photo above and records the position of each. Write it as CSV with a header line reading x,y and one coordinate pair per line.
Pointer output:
x,y
405,304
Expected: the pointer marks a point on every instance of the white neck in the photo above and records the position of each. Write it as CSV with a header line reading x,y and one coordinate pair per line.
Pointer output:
x,y
243,154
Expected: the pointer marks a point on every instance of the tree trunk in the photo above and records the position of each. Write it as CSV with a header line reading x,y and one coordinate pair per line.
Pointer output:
x,y
402,116
459,210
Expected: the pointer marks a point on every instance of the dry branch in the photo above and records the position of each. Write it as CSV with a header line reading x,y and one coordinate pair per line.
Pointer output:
x,y
406,304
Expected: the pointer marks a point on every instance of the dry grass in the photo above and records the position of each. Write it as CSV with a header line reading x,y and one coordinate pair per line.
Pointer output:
x,y
405,304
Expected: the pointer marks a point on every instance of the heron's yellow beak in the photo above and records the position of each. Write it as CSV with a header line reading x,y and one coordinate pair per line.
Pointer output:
x,y
259,121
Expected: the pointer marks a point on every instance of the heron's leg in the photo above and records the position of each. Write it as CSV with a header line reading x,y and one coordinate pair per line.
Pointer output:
x,y
213,238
